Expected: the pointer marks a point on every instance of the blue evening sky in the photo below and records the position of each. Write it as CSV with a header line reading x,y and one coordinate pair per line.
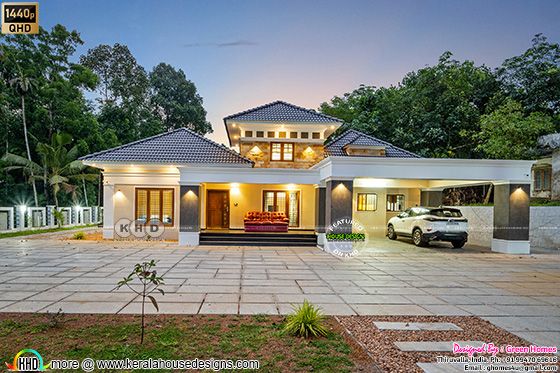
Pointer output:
x,y
243,53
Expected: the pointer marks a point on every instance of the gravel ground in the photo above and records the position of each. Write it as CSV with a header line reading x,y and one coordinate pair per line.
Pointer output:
x,y
380,343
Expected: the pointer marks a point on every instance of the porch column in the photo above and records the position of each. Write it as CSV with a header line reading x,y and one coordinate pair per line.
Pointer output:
x,y
511,218
189,215
320,202
108,211
338,211
431,197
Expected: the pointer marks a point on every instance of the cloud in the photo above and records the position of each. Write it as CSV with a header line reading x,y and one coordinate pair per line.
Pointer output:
x,y
227,44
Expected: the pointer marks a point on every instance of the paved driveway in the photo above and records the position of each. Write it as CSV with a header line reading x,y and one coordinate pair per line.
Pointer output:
x,y
518,293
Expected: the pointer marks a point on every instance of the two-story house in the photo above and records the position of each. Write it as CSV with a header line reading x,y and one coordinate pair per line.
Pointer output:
x,y
283,159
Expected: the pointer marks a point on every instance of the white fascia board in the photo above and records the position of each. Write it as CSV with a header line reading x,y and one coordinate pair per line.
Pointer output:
x,y
248,175
425,168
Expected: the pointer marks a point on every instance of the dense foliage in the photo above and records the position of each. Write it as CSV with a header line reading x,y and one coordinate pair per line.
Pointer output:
x,y
43,90
459,109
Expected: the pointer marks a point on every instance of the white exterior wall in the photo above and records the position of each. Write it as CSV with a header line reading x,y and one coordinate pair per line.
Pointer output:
x,y
481,224
544,230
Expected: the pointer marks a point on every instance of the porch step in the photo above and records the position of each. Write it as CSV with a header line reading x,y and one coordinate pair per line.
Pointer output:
x,y
257,239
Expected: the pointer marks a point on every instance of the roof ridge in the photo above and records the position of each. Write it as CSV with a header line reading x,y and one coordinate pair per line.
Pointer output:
x,y
212,142
360,133
202,137
311,111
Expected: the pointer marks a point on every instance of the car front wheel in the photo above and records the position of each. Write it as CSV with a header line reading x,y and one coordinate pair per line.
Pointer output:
x,y
417,238
391,232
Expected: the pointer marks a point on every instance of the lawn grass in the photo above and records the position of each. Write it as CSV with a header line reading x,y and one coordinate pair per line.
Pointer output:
x,y
179,337
39,231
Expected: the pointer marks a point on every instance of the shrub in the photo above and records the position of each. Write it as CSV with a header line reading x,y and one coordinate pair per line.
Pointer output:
x,y
79,236
59,216
306,321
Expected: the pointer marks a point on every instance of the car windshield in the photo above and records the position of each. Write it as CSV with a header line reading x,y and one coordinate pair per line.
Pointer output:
x,y
446,213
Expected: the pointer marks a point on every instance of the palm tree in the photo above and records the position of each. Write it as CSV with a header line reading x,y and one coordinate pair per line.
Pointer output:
x,y
60,168
23,84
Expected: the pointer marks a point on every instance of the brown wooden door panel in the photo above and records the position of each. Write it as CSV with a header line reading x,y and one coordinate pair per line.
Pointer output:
x,y
217,209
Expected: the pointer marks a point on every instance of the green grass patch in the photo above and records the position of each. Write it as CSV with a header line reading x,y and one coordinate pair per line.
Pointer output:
x,y
233,337
39,231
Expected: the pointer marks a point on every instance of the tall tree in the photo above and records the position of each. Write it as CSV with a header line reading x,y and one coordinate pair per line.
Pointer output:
x,y
175,100
22,85
533,78
509,133
434,111
122,79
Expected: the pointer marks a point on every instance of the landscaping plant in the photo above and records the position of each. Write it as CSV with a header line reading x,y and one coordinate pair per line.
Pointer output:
x,y
59,216
79,236
149,283
306,321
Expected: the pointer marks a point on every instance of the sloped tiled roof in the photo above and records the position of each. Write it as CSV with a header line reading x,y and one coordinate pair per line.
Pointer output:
x,y
280,111
181,146
335,147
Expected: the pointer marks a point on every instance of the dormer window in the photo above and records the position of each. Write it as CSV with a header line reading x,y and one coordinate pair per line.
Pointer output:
x,y
260,133
304,135
316,135
293,135
270,134
248,133
282,135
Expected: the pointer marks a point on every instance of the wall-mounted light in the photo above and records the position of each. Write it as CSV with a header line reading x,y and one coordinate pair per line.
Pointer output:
x,y
234,189
291,186
234,125
255,150
23,208
332,127
308,151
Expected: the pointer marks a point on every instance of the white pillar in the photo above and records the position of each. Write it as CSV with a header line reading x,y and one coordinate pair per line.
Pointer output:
x,y
108,211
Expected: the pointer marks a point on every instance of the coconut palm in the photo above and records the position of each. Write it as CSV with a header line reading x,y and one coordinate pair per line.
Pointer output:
x,y
59,167
23,85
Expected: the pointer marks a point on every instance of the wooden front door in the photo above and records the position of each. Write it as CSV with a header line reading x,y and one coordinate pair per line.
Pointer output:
x,y
217,209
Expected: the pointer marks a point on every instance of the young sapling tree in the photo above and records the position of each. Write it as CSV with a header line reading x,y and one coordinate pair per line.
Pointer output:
x,y
149,283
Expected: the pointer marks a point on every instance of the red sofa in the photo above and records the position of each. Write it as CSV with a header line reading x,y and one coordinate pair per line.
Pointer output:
x,y
264,221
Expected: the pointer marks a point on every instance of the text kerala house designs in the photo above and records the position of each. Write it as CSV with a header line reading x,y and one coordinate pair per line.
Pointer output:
x,y
285,177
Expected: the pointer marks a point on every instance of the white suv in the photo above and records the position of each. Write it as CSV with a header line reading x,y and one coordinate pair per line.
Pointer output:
x,y
425,224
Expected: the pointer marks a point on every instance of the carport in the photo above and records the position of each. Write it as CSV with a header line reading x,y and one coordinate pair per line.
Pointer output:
x,y
346,182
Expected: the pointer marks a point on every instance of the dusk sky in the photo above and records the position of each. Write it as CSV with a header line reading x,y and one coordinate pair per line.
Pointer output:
x,y
241,54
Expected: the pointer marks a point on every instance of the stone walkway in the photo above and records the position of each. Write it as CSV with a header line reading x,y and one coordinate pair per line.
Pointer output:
x,y
518,293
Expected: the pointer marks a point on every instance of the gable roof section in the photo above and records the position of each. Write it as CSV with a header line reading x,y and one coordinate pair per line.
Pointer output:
x,y
180,146
335,147
280,111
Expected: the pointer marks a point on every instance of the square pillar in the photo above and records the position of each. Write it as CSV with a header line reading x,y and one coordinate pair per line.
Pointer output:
x,y
108,208
320,203
189,215
511,218
338,210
